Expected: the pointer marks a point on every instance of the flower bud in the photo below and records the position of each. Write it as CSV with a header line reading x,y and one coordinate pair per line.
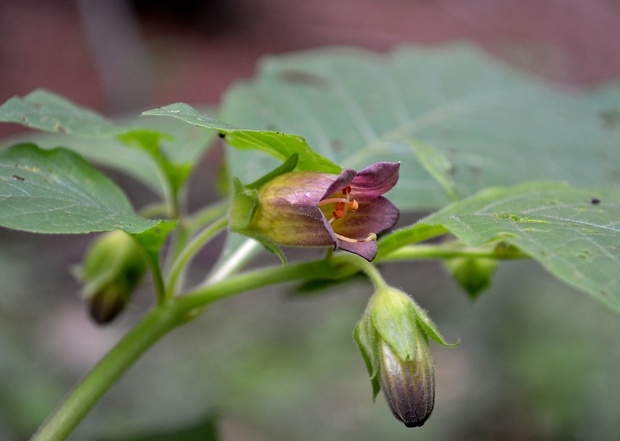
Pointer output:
x,y
113,268
408,386
393,339
473,274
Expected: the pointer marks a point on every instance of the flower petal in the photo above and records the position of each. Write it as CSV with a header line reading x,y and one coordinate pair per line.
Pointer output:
x,y
372,216
375,180
367,250
343,180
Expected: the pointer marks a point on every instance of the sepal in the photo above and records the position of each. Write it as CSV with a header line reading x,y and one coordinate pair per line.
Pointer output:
x,y
244,204
394,317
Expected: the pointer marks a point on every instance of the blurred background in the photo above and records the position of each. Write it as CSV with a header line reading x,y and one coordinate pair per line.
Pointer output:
x,y
538,360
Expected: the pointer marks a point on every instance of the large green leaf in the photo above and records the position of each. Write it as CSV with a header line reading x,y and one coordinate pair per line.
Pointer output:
x,y
573,233
458,120
280,145
103,141
56,191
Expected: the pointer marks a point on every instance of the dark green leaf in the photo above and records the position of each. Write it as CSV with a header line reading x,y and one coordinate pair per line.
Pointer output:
x,y
573,233
56,191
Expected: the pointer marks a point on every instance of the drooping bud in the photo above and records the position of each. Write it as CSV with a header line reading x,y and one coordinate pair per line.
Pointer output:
x,y
112,270
393,339
408,386
474,274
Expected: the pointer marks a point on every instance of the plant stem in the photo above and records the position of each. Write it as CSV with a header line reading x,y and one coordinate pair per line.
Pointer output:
x,y
368,268
84,396
180,264
205,295
447,251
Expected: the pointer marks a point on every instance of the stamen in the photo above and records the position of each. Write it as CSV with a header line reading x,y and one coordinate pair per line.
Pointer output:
x,y
371,238
338,214
353,205
332,201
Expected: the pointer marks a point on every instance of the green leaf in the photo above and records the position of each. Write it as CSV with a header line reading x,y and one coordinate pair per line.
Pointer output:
x,y
457,120
280,145
98,139
56,191
573,233
49,112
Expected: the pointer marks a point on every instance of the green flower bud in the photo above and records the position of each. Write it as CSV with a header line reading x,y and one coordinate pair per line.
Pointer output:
x,y
393,339
112,270
473,274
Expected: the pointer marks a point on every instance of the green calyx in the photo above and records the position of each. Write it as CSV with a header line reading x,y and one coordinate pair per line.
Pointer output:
x,y
245,202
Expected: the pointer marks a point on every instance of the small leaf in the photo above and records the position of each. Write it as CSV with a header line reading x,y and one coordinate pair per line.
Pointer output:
x,y
150,141
57,191
573,233
280,145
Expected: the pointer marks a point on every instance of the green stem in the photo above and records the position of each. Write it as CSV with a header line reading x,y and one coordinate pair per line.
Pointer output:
x,y
448,251
84,396
180,264
228,287
368,268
